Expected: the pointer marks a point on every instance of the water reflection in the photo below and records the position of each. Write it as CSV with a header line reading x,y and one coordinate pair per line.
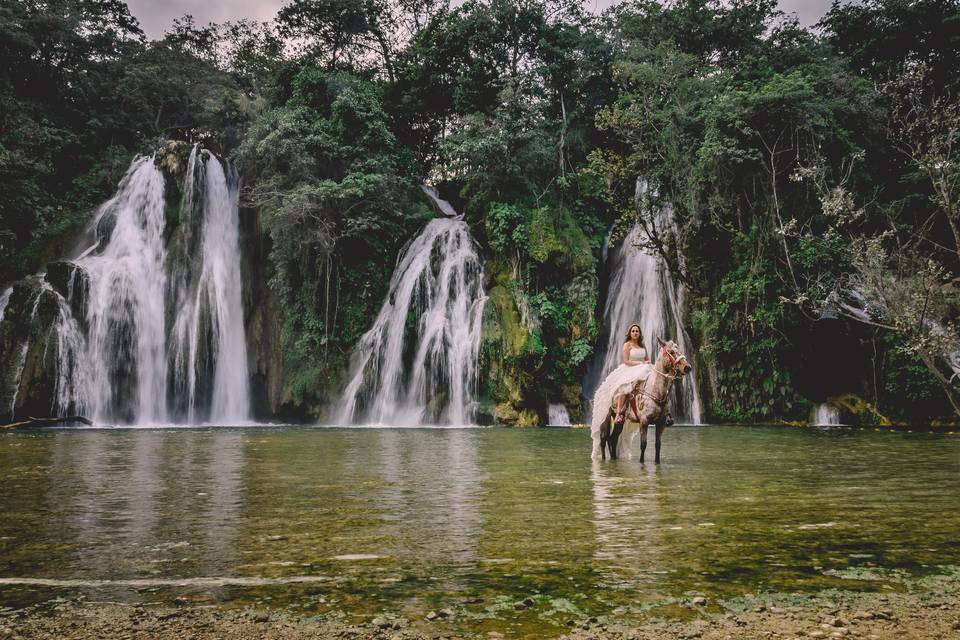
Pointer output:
x,y
125,503
428,498
367,517
640,517
627,522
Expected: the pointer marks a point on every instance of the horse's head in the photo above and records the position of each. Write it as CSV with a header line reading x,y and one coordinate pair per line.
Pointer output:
x,y
677,363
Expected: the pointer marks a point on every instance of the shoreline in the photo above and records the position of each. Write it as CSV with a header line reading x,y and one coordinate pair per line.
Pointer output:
x,y
927,609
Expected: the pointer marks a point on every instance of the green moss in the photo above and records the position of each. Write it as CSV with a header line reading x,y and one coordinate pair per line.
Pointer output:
x,y
858,411
172,213
554,236
511,336
542,235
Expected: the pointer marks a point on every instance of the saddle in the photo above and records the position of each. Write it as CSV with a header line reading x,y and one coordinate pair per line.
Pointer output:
x,y
632,400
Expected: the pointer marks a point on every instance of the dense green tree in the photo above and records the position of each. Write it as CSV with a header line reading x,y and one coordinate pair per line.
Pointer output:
x,y
774,148
328,175
60,59
718,133
884,39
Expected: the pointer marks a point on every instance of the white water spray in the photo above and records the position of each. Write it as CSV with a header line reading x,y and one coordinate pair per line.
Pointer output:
x,y
427,372
125,312
558,416
824,414
4,300
72,382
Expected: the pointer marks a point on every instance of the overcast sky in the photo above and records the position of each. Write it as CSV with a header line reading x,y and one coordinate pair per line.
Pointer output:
x,y
156,16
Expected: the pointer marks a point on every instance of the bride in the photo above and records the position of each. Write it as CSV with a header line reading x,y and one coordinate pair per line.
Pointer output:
x,y
635,367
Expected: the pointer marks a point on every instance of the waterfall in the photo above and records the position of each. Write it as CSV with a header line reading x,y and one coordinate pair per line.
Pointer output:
x,y
208,339
4,300
642,291
132,333
71,393
418,362
442,206
557,415
824,414
125,312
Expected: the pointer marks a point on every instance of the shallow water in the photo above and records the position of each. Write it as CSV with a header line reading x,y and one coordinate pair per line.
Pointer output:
x,y
366,521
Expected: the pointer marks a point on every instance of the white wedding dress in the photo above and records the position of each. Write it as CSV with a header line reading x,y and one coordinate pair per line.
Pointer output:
x,y
621,380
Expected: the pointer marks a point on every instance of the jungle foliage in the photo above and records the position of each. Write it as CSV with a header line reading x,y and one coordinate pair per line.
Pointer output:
x,y
811,171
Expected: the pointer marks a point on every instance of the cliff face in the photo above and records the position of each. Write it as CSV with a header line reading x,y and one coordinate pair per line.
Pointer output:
x,y
539,324
264,319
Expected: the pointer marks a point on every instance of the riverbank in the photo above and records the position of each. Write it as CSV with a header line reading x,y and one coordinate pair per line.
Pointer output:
x,y
930,611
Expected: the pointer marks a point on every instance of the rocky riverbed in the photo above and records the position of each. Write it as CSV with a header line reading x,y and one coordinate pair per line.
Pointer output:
x,y
928,611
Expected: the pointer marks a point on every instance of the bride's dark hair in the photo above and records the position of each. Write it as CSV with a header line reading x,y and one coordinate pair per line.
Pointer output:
x,y
640,339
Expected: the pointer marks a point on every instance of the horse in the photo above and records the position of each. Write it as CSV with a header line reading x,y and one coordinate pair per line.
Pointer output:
x,y
646,404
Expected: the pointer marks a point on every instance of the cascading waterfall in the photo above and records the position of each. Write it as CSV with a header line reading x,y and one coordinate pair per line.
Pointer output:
x,y
22,358
441,205
72,383
824,414
126,334
122,339
208,339
427,373
642,291
557,415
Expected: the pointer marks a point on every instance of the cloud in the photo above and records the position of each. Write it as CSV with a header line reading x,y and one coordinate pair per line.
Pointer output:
x,y
156,16
809,12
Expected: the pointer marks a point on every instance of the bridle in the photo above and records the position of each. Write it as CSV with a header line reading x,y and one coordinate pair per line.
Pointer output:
x,y
674,363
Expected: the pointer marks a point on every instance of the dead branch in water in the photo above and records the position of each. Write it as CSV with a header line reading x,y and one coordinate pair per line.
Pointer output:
x,y
45,422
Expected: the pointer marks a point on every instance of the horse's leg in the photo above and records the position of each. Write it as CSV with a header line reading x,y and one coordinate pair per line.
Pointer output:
x,y
614,438
643,440
661,425
604,437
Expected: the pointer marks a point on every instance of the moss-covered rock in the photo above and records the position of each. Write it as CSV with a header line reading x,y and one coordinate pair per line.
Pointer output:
x,y
855,410
172,157
506,414
27,364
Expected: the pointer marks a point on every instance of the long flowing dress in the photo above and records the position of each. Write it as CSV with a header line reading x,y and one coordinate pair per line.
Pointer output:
x,y
619,381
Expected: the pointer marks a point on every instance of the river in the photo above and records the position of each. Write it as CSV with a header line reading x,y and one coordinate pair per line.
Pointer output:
x,y
474,521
